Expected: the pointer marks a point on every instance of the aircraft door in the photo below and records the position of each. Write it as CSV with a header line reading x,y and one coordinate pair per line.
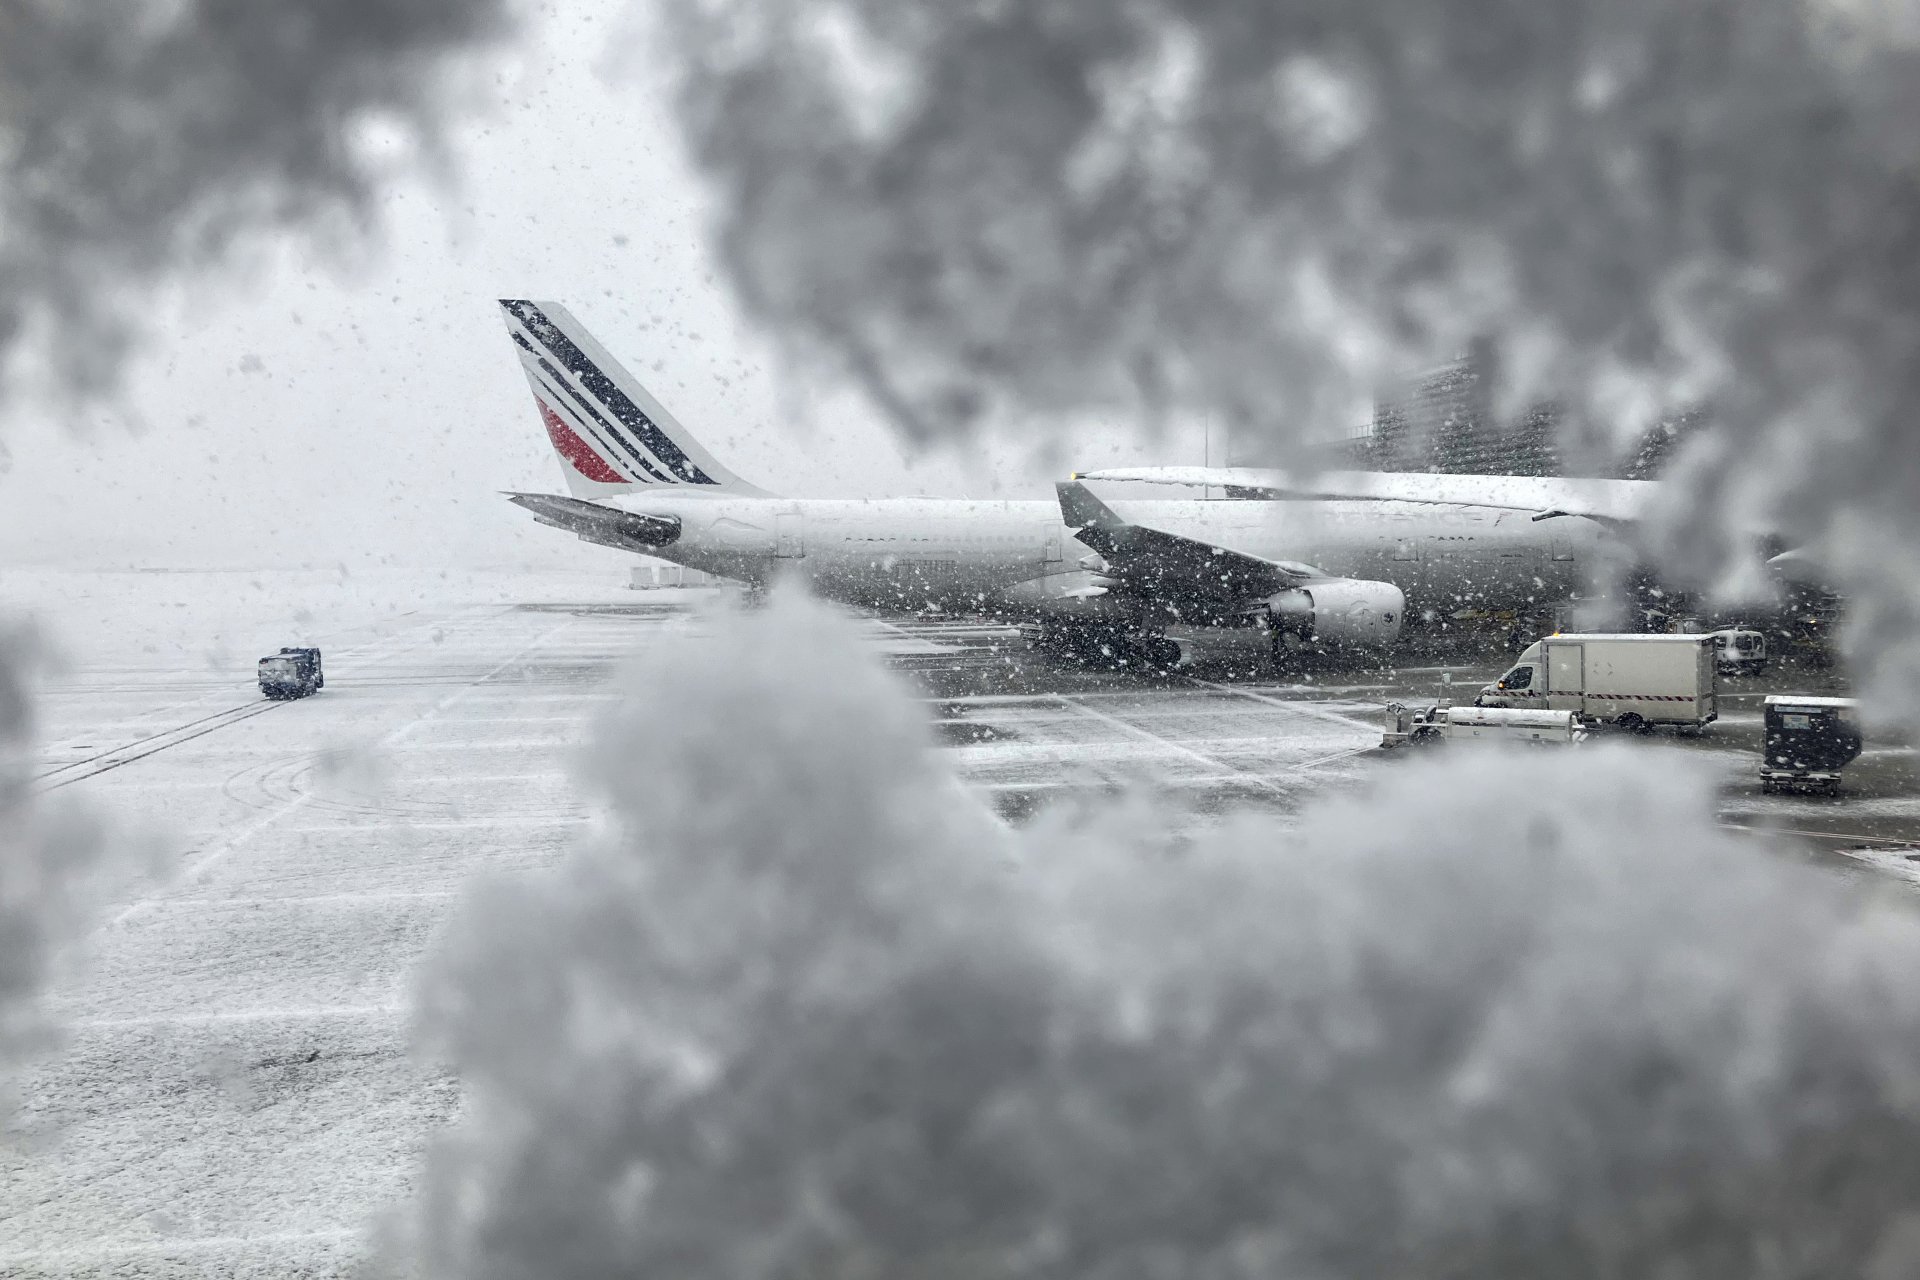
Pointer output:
x,y
1052,554
789,532
1563,546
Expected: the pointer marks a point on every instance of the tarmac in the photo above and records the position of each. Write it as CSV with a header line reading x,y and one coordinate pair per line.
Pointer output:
x,y
236,1095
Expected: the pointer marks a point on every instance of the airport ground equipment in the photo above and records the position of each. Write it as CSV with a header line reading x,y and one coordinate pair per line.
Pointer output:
x,y
291,673
1634,681
1533,726
649,576
1740,651
1809,740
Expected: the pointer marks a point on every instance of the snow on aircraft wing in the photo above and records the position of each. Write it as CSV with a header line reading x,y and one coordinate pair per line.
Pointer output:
x,y
1615,502
1167,566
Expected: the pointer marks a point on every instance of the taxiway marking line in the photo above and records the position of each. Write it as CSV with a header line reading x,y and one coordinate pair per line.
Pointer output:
x,y
1329,759
319,899
1017,699
521,823
108,1250
430,746
1148,735
239,1016
974,756
287,808
233,715
1103,785
556,697
464,720
222,686
523,775
1755,829
1303,707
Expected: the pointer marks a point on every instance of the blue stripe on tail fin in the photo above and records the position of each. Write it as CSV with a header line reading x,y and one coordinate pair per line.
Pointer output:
x,y
638,437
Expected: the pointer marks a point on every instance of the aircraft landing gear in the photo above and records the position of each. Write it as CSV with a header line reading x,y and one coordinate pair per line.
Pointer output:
x,y
1291,655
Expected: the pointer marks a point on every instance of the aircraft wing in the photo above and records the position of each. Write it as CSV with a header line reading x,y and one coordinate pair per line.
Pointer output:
x,y
1168,567
1620,505
608,526
1614,502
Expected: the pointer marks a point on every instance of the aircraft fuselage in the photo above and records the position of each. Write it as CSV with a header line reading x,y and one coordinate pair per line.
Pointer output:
x,y
1016,558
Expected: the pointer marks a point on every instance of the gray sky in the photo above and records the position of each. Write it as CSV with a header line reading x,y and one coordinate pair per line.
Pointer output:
x,y
356,403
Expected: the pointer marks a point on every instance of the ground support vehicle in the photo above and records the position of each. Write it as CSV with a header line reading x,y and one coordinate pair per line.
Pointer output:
x,y
1740,651
291,673
1634,681
1809,740
1534,726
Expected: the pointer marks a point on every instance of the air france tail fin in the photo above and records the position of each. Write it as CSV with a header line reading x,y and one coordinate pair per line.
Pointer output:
x,y
611,435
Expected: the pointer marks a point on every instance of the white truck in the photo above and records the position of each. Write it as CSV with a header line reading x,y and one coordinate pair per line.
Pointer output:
x,y
1634,681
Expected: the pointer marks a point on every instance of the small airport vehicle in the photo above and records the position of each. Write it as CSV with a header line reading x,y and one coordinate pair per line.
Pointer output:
x,y
1809,740
1740,652
1424,726
291,673
1634,681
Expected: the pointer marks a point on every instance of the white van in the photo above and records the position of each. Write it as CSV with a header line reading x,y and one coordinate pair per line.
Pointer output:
x,y
1741,651
1635,681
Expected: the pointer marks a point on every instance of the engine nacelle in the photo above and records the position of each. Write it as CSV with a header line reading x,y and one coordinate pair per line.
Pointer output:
x,y
1339,612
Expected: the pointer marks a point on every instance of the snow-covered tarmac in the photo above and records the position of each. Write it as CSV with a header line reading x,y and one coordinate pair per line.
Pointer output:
x,y
237,1096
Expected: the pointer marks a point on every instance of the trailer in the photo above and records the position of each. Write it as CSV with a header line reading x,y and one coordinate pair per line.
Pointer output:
x,y
1528,726
1809,740
1635,681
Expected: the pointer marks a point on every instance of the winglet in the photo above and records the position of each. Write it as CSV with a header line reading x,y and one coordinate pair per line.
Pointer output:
x,y
1079,509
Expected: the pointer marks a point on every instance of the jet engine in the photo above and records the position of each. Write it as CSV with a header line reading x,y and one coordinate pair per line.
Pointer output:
x,y
1339,612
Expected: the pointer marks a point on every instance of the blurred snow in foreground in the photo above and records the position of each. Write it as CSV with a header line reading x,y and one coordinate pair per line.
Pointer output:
x,y
807,1010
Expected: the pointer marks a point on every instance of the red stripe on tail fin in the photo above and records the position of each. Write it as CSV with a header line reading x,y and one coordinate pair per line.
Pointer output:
x,y
578,453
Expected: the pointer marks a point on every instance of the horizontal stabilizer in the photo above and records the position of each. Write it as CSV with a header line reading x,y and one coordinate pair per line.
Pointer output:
x,y
607,526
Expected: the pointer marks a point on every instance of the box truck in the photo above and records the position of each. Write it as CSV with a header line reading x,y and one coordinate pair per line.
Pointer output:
x,y
1634,681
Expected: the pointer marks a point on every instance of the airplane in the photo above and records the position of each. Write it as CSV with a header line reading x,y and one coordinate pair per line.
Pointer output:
x,y
1321,571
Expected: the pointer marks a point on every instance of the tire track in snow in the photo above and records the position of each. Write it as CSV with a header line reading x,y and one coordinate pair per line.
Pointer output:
x,y
211,856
